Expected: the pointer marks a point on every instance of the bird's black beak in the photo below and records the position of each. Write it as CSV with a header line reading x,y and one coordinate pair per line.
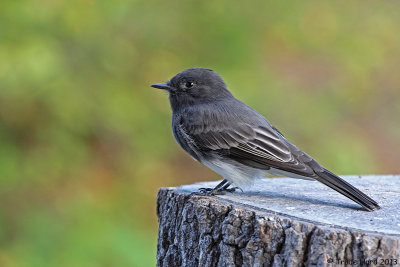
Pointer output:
x,y
164,86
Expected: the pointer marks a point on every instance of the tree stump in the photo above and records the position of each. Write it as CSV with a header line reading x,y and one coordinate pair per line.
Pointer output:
x,y
279,222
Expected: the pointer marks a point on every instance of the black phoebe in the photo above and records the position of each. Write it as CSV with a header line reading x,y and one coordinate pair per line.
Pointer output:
x,y
237,142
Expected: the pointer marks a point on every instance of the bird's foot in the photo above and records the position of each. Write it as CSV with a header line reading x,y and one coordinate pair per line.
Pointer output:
x,y
205,191
216,191
208,191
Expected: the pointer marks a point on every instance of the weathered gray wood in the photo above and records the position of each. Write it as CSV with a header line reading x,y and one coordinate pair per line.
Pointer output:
x,y
279,222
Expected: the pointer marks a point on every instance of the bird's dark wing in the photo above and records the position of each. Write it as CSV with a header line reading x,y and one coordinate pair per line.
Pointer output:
x,y
259,146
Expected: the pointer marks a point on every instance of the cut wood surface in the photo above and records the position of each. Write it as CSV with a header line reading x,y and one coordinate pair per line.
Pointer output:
x,y
280,222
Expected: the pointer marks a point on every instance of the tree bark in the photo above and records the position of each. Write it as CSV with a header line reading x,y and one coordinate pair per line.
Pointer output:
x,y
272,226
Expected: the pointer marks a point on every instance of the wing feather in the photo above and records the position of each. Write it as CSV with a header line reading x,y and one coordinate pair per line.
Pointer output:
x,y
255,146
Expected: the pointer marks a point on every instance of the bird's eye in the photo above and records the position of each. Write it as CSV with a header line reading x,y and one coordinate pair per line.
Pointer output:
x,y
189,84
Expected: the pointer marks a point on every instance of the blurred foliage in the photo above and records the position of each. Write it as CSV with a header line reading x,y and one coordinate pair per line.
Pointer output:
x,y
85,142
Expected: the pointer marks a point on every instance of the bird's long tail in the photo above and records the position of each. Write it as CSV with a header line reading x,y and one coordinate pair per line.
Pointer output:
x,y
335,182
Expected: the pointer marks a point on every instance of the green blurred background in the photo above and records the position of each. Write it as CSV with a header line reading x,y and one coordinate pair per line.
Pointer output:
x,y
85,143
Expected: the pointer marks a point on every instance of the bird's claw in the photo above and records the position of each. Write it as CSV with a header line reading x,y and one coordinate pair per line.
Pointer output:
x,y
205,191
212,192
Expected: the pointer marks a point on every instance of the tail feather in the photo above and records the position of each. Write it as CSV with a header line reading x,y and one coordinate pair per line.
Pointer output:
x,y
335,182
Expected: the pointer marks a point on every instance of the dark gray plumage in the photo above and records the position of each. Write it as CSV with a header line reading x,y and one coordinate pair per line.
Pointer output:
x,y
234,140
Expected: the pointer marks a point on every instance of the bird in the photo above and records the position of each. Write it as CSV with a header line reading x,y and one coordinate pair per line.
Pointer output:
x,y
236,141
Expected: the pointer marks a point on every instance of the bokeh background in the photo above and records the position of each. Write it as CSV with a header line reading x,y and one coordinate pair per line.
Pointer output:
x,y
85,143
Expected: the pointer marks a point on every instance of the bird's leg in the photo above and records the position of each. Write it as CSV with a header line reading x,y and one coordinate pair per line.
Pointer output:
x,y
220,189
231,190
215,190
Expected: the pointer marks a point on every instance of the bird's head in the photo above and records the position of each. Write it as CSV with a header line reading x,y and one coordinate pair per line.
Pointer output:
x,y
194,86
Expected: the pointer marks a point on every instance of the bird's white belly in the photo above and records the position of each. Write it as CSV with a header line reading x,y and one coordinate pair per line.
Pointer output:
x,y
236,173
